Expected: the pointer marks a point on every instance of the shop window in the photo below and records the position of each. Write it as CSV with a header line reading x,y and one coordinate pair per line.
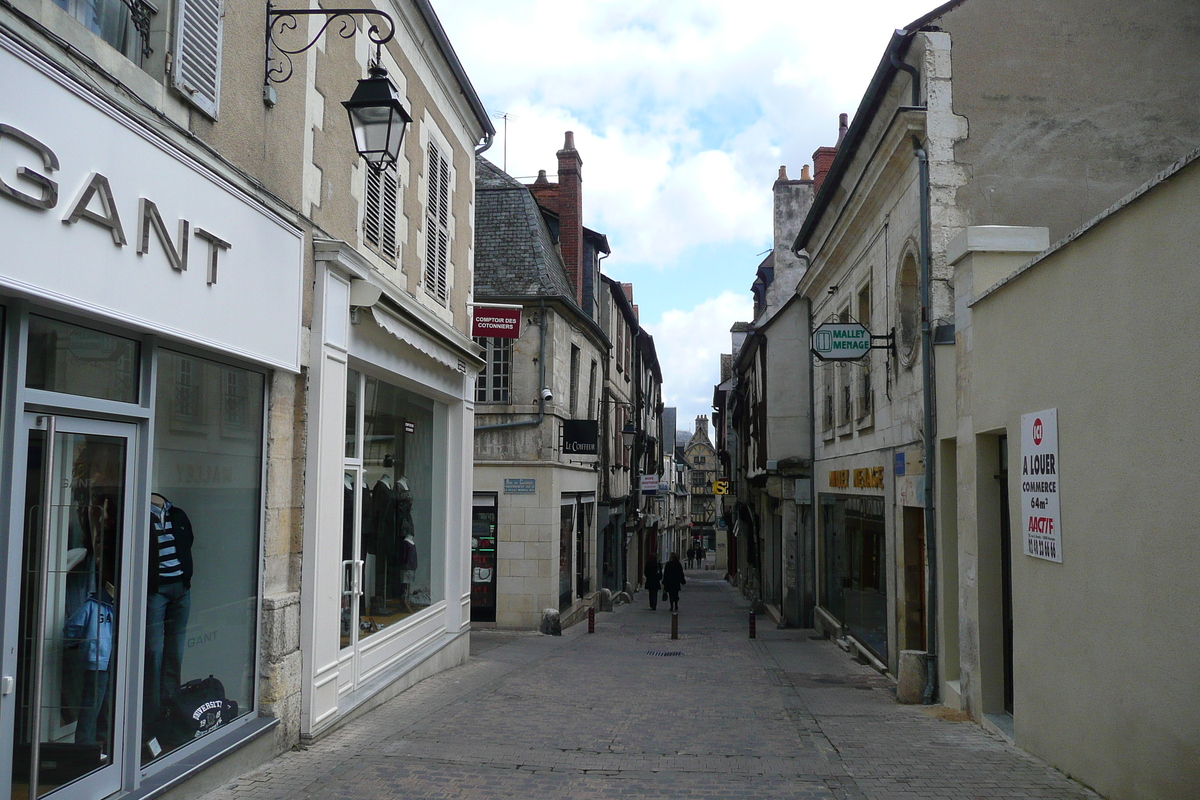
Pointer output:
x,y
494,380
398,542
437,225
75,360
201,636
566,539
854,579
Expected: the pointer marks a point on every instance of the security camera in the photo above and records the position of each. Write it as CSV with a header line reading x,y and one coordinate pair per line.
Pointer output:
x,y
547,395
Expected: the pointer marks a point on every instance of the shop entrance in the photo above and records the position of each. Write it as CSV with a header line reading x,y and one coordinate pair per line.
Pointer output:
x,y
914,578
1006,593
72,722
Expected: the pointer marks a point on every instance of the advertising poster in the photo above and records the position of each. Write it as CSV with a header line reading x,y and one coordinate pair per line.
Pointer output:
x,y
1041,520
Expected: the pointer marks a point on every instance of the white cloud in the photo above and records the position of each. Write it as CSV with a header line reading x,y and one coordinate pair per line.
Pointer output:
x,y
689,345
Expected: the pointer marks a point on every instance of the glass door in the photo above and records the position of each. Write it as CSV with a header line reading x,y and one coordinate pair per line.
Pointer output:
x,y
74,608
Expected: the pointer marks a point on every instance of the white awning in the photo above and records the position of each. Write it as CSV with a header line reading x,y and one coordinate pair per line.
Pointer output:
x,y
415,339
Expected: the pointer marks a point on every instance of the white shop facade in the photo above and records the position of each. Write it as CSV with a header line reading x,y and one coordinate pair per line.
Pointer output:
x,y
386,595
146,301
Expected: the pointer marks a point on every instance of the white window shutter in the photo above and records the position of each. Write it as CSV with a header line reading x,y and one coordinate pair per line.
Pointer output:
x,y
437,227
197,70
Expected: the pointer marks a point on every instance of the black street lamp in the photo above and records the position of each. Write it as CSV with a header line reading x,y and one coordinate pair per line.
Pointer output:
x,y
628,433
378,119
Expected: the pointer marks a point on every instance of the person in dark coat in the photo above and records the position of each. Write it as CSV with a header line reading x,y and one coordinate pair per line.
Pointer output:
x,y
673,579
653,573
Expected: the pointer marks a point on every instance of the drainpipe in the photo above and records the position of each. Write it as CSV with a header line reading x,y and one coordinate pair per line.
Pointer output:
x,y
488,139
525,423
931,670
812,473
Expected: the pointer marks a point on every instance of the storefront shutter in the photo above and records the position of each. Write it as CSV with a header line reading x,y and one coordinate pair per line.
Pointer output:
x,y
437,226
197,72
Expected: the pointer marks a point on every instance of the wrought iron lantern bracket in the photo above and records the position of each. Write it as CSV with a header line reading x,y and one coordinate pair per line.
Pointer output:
x,y
281,21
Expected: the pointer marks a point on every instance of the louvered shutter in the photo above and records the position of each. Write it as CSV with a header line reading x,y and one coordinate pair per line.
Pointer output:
x,y
437,226
197,71
380,209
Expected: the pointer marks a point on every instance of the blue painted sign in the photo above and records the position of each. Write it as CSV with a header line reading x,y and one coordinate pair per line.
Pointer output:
x,y
520,485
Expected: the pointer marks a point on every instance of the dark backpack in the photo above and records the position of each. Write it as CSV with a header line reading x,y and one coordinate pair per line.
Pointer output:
x,y
193,710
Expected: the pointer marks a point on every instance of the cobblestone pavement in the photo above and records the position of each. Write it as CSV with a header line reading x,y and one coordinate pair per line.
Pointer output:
x,y
628,712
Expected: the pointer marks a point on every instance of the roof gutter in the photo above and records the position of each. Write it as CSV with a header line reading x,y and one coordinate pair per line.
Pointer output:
x,y
460,74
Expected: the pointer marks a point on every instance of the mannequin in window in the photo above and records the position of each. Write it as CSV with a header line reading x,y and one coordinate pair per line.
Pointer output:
x,y
168,603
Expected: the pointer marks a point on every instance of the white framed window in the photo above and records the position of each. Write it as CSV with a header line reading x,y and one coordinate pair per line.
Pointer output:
x,y
437,224
381,209
495,379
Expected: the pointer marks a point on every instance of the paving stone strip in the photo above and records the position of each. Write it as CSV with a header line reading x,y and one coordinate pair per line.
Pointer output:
x,y
629,712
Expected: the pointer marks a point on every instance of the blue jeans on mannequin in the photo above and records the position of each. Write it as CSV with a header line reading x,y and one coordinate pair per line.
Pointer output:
x,y
167,613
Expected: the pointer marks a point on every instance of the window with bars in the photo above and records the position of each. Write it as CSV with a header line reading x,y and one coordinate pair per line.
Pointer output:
x,y
574,380
437,226
494,381
591,406
381,209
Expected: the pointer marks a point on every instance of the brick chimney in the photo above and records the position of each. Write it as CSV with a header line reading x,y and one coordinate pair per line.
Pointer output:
x,y
823,157
565,199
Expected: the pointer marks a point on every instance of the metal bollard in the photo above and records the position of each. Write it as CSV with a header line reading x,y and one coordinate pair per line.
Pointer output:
x,y
591,619
674,624
753,632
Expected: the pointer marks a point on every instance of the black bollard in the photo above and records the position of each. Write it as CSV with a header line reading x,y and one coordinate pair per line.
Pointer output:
x,y
753,632
591,619
674,624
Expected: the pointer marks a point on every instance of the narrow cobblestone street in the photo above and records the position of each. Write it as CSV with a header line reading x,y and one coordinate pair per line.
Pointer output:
x,y
628,712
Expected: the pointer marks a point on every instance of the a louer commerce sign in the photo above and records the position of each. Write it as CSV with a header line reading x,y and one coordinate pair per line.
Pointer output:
x,y
841,341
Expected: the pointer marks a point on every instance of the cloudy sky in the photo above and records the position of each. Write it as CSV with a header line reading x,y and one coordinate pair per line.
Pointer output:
x,y
683,111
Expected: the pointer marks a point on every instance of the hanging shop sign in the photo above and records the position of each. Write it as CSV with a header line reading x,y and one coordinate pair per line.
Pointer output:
x,y
1041,519
841,341
581,436
649,484
499,323
123,222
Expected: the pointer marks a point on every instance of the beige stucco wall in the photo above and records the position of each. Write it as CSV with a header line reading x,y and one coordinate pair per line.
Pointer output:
x,y
1105,331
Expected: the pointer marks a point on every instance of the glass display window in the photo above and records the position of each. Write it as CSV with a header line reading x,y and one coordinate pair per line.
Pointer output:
x,y
392,561
202,587
854,579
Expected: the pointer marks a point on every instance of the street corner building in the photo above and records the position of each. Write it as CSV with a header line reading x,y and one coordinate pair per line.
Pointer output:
x,y
236,405
553,509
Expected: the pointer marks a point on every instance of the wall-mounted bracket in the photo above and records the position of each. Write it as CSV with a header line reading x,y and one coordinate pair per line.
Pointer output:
x,y
281,21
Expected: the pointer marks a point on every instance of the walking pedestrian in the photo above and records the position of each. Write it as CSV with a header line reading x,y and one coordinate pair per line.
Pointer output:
x,y
701,554
673,579
653,573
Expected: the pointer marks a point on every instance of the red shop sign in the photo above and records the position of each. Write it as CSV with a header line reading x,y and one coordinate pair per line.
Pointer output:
x,y
502,323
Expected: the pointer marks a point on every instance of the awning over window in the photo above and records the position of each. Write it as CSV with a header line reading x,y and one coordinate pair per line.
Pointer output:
x,y
415,339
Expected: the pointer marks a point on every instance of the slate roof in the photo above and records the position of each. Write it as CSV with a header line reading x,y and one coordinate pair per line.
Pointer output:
x,y
515,254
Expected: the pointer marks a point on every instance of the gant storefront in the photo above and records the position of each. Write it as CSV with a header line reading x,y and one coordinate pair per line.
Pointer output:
x,y
146,301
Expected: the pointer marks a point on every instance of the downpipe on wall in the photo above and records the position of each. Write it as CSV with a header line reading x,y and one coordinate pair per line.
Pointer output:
x,y
931,643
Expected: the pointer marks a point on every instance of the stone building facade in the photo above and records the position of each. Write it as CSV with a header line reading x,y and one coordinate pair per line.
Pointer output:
x,y
220,344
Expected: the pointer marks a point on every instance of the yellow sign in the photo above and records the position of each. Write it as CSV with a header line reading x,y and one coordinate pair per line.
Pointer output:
x,y
720,487
868,478
839,478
